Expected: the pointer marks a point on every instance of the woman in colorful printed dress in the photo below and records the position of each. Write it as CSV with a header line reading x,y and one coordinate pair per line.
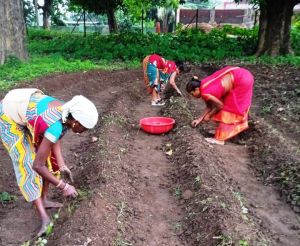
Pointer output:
x,y
228,95
31,126
157,73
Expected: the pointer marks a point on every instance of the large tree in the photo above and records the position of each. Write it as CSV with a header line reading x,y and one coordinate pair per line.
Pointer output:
x,y
46,13
275,26
12,30
107,7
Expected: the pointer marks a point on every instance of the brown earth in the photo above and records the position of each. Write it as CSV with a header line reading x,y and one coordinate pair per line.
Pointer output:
x,y
133,193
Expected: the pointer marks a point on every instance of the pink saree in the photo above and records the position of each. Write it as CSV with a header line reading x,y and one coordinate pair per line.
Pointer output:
x,y
233,117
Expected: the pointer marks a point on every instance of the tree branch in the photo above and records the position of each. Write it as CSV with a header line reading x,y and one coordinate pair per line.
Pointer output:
x,y
295,2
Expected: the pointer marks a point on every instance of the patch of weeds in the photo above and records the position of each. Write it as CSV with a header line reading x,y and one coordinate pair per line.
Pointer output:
x,y
121,206
41,242
5,197
243,242
244,210
223,205
267,109
177,191
224,240
197,181
26,243
112,119
181,106
206,203
72,207
176,226
83,194
121,242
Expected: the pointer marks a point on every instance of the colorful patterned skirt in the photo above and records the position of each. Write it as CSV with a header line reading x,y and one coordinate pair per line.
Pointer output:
x,y
18,142
150,76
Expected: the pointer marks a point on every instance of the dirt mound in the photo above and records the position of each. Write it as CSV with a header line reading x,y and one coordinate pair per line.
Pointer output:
x,y
216,212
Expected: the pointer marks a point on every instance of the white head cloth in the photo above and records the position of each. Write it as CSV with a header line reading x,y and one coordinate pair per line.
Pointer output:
x,y
82,110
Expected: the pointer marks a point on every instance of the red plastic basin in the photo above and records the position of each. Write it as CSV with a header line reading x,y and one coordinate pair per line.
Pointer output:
x,y
157,125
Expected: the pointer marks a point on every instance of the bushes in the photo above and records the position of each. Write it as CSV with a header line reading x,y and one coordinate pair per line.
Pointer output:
x,y
186,45
190,44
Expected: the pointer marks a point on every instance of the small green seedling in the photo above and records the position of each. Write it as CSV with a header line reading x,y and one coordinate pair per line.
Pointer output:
x,y
243,242
5,197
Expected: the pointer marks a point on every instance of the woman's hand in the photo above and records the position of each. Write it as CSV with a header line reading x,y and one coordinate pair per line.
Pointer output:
x,y
179,92
195,123
207,117
66,172
69,190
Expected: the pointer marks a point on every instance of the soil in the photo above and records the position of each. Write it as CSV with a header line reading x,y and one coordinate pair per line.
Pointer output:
x,y
173,189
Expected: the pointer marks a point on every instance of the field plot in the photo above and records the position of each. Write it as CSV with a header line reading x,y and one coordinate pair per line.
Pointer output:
x,y
173,189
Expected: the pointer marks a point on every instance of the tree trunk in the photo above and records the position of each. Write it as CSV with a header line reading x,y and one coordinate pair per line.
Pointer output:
x,y
46,13
36,12
12,30
274,27
112,23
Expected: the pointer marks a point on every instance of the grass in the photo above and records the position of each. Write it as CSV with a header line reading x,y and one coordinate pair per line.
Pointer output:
x,y
177,191
14,71
114,119
120,241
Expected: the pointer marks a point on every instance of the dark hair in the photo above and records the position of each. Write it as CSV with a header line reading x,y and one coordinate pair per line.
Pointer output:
x,y
192,85
180,66
70,117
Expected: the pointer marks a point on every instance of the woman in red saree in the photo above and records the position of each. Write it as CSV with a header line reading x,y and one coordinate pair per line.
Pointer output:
x,y
228,95
157,73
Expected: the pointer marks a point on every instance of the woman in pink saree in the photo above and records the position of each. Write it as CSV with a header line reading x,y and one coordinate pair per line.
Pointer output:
x,y
228,96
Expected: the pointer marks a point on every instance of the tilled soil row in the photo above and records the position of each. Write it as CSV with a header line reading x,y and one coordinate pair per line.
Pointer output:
x,y
215,210
101,215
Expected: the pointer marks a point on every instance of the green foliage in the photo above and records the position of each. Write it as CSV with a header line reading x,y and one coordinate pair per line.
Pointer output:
x,y
55,52
41,242
135,7
204,4
295,36
28,11
290,60
40,65
97,7
243,242
5,197
189,45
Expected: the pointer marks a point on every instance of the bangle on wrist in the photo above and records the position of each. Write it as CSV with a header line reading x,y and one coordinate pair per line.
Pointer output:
x,y
66,187
61,168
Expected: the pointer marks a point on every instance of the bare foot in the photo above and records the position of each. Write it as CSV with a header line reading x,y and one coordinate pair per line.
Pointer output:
x,y
50,204
214,141
44,227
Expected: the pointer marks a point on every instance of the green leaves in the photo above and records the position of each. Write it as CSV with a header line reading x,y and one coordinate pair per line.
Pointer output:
x,y
5,197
